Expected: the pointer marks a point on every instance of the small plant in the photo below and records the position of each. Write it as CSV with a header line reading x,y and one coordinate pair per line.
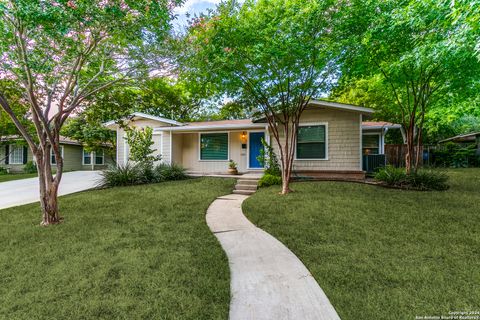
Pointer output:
x,y
269,160
232,164
269,180
3,171
422,180
232,167
30,167
140,142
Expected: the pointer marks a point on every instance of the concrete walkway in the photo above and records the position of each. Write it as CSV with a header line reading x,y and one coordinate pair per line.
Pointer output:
x,y
19,192
267,280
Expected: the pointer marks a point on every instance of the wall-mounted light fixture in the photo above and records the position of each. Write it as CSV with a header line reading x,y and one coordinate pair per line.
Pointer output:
x,y
243,137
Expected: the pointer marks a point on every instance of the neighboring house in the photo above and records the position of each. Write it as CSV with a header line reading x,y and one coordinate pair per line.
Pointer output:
x,y
329,141
469,138
14,156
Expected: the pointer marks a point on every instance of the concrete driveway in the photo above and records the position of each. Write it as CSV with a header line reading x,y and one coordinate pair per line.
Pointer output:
x,y
18,192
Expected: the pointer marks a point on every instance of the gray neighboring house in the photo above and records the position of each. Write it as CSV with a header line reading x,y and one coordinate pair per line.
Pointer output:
x,y
14,155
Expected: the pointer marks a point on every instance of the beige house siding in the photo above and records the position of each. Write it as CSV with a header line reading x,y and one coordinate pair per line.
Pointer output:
x,y
161,141
190,158
177,152
344,140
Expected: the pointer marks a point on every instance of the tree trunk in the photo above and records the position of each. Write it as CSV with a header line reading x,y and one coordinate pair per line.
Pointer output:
x,y
48,188
409,155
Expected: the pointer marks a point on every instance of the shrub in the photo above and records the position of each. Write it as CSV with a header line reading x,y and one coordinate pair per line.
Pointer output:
x,y
269,160
428,180
141,173
391,175
421,180
30,167
121,175
269,180
3,171
170,172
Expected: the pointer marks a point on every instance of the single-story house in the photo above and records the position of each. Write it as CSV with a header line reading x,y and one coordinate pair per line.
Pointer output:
x,y
332,139
466,139
14,155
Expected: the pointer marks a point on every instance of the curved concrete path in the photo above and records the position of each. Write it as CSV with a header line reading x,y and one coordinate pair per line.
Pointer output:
x,y
267,280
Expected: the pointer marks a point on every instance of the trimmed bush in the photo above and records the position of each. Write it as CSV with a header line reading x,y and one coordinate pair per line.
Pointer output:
x,y
423,180
167,172
269,180
30,167
3,170
121,175
141,173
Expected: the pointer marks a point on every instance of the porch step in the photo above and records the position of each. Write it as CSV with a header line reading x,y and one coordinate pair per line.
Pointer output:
x,y
250,182
239,186
244,192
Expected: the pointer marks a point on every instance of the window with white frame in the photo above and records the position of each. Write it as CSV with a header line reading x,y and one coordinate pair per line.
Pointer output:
x,y
99,157
52,155
214,146
371,144
16,154
87,157
312,142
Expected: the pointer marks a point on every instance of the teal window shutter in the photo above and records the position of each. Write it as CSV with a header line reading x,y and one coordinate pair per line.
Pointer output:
x,y
311,142
214,146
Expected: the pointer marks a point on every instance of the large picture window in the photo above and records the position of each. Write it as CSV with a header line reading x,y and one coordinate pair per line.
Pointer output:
x,y
312,142
16,154
214,146
371,144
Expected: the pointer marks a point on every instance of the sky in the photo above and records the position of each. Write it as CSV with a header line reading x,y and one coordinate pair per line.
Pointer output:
x,y
192,7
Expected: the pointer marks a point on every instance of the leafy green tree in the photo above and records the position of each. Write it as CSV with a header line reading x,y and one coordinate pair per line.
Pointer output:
x,y
419,55
7,127
140,144
275,55
94,136
62,53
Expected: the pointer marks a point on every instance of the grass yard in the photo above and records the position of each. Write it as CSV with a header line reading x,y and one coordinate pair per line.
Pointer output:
x,y
16,176
140,252
382,253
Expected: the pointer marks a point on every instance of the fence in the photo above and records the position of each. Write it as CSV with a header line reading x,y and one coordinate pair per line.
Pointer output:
x,y
395,154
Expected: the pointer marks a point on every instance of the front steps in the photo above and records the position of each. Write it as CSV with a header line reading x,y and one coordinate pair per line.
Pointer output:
x,y
246,186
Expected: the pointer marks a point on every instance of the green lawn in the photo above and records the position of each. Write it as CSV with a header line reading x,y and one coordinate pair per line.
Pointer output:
x,y
382,253
140,252
16,176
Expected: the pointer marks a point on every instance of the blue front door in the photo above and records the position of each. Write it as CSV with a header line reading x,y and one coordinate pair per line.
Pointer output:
x,y
255,145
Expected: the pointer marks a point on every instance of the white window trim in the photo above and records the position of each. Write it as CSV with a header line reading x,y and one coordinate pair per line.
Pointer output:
x,y
95,157
307,124
10,156
380,148
83,158
51,154
200,146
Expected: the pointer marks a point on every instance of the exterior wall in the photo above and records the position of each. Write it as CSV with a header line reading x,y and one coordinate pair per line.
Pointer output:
x,y
72,159
177,148
343,137
191,154
161,141
14,167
